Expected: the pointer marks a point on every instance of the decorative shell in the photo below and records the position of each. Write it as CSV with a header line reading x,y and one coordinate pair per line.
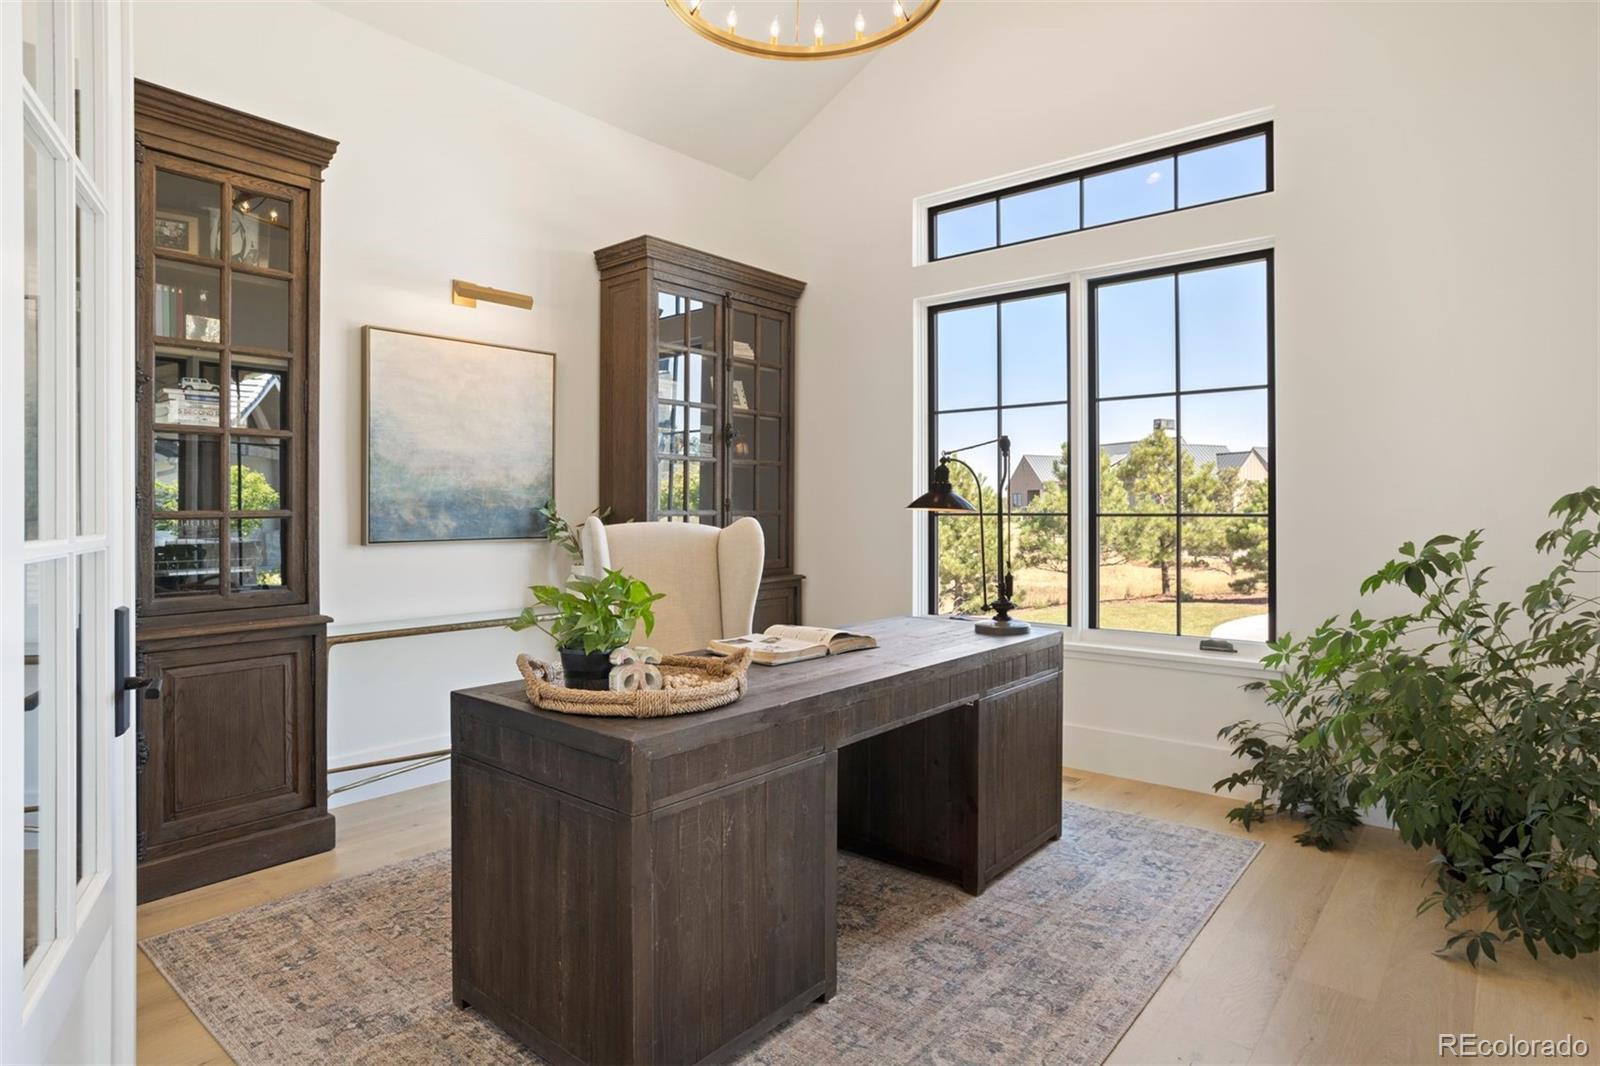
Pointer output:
x,y
633,669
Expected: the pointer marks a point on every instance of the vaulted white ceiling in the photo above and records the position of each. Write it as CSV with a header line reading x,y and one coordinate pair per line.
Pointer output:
x,y
632,64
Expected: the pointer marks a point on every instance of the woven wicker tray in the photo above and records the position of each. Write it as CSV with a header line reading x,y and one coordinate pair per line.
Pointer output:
x,y
694,683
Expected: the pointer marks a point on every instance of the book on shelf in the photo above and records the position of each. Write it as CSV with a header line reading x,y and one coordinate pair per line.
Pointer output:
x,y
792,644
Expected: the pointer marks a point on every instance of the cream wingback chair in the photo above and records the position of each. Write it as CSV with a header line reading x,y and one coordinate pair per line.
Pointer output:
x,y
710,576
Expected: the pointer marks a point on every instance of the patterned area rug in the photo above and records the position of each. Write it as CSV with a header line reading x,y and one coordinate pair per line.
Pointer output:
x,y
1051,965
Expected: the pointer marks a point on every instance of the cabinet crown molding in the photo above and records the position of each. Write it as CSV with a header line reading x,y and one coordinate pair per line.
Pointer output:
x,y
634,253
180,112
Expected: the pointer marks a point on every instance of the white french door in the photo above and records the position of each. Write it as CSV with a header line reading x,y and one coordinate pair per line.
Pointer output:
x,y
67,943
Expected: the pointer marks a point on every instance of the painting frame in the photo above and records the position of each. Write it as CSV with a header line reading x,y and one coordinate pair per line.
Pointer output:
x,y
165,232
493,392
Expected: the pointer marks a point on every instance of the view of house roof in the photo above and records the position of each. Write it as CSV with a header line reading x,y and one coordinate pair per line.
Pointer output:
x,y
1043,466
1234,460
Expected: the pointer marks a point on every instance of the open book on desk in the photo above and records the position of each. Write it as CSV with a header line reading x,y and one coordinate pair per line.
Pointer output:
x,y
792,644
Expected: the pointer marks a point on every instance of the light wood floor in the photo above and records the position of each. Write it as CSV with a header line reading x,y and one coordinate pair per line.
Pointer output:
x,y
1312,957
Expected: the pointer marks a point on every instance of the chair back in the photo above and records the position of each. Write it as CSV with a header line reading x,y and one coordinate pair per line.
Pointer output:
x,y
709,576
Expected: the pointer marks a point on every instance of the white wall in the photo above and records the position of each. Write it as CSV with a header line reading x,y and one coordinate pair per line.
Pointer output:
x,y
441,173
1436,278
1435,222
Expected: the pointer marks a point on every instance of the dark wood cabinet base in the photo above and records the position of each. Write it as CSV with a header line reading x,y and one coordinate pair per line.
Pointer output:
x,y
235,857
664,890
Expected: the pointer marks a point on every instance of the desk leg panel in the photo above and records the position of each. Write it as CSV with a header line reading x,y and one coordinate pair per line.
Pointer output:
x,y
541,916
1019,773
742,880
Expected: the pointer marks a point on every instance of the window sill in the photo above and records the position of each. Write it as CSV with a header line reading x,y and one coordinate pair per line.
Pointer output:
x,y
1246,663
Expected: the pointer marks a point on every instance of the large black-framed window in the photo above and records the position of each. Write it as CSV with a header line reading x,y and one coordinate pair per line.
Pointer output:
x,y
1208,170
1001,365
1181,424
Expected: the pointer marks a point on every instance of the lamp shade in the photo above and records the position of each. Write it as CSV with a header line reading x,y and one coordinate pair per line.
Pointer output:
x,y
941,496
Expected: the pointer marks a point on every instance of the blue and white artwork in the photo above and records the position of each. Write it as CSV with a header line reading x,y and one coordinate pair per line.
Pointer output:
x,y
460,438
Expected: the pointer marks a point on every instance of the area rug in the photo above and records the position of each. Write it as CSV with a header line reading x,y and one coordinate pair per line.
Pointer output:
x,y
1050,965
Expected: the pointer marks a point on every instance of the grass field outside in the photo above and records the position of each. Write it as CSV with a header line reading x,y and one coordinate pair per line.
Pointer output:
x,y
1200,617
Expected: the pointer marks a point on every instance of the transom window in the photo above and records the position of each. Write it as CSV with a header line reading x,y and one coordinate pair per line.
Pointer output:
x,y
1224,167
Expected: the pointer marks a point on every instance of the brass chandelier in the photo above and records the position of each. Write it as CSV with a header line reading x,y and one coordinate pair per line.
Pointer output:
x,y
905,16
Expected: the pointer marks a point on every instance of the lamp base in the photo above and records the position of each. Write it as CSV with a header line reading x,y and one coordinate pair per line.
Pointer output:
x,y
995,627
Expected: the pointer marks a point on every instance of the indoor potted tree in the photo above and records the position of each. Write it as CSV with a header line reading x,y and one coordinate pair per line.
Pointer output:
x,y
588,619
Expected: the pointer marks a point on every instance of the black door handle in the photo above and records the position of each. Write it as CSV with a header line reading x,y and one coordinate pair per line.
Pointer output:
x,y
127,681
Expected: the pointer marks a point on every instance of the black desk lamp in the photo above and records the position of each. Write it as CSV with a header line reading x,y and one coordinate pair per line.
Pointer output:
x,y
941,498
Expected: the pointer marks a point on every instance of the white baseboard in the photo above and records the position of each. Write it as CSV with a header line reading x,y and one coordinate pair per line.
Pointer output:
x,y
1159,760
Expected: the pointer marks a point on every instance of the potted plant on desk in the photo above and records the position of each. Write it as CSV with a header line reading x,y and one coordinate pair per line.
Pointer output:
x,y
588,619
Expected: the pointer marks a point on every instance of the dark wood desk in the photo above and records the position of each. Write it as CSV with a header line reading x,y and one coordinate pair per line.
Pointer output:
x,y
662,891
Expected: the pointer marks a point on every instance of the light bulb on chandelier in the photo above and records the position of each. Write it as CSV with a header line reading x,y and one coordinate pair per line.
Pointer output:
x,y
901,21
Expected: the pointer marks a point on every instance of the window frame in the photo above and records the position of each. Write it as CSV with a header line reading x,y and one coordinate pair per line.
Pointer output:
x,y
1092,398
1068,291
1081,174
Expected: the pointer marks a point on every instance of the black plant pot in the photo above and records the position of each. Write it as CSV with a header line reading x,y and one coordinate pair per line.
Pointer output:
x,y
586,669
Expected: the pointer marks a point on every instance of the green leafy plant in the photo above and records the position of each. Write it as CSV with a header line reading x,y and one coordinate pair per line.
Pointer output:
x,y
1474,724
591,613
564,533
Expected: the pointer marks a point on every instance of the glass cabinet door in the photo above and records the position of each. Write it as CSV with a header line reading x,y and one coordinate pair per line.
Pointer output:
x,y
758,418
686,448
226,346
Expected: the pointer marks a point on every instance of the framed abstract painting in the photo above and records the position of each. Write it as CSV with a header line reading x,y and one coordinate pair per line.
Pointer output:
x,y
460,438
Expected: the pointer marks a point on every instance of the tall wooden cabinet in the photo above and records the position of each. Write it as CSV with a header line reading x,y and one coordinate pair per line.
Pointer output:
x,y
697,398
232,757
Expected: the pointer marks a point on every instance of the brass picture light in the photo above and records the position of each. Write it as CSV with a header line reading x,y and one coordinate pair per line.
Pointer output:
x,y
467,294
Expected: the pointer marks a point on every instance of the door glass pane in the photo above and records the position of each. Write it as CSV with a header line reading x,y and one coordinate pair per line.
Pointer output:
x,y
1135,337
188,556
1138,455
769,488
743,491
772,533
744,437
1039,556
41,700
702,325
1138,574
187,210
92,669
185,473
187,304
187,387
700,377
671,494
256,401
259,235
701,487
743,385
256,478
85,84
90,407
672,314
39,49
1033,349
963,557
770,346
258,553
1224,451
769,440
1236,168
1129,192
1222,325
964,229
38,335
769,391
744,335
260,312
1039,212
966,343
